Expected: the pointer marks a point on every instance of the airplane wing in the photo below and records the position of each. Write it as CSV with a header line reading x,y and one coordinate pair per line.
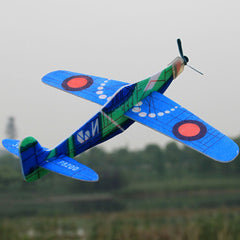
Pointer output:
x,y
95,89
164,115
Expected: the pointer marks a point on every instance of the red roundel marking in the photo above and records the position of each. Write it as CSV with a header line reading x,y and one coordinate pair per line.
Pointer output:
x,y
77,83
189,129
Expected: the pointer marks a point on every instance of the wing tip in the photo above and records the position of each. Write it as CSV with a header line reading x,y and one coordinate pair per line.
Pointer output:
x,y
224,151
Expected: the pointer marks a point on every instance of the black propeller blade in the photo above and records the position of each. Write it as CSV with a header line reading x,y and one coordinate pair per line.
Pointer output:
x,y
185,58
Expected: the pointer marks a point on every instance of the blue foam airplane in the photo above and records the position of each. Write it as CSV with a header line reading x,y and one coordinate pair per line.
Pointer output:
x,y
122,105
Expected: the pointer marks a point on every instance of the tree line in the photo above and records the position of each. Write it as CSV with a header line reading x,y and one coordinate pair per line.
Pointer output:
x,y
120,168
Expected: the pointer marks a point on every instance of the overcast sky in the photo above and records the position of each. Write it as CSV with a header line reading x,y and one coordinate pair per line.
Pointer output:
x,y
126,40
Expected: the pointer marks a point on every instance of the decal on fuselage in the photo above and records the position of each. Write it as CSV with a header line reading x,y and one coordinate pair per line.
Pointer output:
x,y
90,131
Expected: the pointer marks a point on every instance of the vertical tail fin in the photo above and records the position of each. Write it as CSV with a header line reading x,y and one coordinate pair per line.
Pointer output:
x,y
37,161
32,154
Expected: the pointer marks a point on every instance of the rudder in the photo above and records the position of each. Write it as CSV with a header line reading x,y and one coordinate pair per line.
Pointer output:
x,y
31,155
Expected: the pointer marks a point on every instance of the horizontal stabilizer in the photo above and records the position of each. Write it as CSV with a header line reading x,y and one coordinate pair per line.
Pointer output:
x,y
12,146
69,167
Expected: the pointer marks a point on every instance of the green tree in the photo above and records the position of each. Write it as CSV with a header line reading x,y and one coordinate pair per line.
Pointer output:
x,y
154,155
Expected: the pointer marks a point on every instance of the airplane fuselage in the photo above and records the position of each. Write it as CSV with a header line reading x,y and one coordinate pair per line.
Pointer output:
x,y
111,121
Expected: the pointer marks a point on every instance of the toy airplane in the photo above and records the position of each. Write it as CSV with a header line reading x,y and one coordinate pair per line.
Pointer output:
x,y
123,104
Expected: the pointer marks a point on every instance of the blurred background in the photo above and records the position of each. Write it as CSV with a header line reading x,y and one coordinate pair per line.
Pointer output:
x,y
150,187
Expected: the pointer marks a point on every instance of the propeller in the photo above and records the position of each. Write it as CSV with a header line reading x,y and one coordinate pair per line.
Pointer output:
x,y
185,58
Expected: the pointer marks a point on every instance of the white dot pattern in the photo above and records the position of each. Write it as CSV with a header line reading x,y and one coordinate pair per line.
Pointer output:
x,y
103,96
100,91
152,115
142,114
137,109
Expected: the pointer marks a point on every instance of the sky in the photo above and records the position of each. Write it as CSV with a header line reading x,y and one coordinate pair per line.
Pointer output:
x,y
125,40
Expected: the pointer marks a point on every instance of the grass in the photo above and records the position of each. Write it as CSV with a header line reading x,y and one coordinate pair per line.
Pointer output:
x,y
202,224
166,194
193,208
184,184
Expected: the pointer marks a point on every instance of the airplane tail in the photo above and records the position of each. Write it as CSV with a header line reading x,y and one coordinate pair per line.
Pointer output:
x,y
32,154
37,161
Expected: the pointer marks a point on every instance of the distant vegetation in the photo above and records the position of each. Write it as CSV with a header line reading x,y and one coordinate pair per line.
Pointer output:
x,y
123,171
173,187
